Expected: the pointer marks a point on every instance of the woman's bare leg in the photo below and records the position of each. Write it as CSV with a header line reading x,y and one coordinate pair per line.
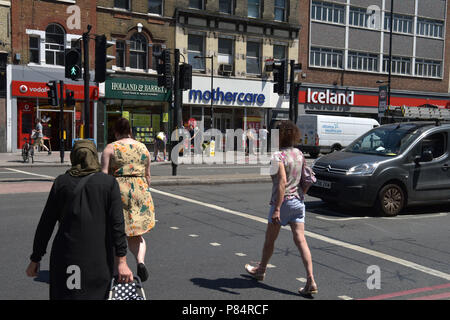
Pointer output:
x,y
298,232
137,247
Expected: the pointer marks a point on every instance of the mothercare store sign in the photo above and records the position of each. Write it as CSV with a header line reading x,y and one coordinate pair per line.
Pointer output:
x,y
132,89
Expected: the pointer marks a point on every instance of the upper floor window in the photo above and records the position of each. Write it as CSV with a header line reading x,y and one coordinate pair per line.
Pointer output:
x,y
399,65
253,57
362,61
225,51
155,6
430,28
327,58
280,10
254,8
54,45
120,54
35,49
122,4
226,6
196,47
358,17
402,24
138,52
279,52
330,12
196,4
428,68
156,48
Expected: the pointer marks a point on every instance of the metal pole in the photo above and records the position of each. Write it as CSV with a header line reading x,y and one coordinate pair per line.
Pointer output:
x,y
178,119
291,91
212,89
86,78
61,120
390,53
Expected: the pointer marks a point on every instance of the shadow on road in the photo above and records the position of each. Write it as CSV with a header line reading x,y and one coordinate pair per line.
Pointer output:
x,y
227,285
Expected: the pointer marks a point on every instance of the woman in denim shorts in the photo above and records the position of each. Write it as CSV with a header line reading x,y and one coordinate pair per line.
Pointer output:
x,y
287,204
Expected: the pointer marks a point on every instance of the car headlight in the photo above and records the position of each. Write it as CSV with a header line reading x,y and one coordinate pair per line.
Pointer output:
x,y
365,169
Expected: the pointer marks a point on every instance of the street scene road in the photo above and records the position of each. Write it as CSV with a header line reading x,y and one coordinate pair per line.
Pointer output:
x,y
205,234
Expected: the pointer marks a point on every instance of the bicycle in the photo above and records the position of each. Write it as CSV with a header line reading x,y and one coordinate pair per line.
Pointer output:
x,y
27,151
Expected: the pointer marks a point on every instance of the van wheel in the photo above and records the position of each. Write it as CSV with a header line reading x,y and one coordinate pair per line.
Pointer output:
x,y
336,147
314,155
391,200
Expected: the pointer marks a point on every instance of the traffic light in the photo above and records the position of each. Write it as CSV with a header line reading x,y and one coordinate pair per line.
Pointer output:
x,y
185,76
280,73
164,69
70,98
101,57
73,63
52,93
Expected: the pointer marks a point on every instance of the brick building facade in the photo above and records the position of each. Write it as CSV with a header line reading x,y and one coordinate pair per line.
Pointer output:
x,y
5,56
345,47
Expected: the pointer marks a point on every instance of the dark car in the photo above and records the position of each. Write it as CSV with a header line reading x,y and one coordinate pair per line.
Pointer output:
x,y
388,168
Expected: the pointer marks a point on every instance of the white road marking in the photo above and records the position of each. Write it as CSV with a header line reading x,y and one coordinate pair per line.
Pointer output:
x,y
270,266
345,298
340,219
239,254
301,280
316,236
235,167
194,235
174,228
32,174
407,217
215,244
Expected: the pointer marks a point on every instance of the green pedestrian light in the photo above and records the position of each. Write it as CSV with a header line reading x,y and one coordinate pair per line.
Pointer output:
x,y
73,64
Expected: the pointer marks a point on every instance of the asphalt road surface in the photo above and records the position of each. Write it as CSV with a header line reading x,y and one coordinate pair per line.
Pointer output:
x,y
204,236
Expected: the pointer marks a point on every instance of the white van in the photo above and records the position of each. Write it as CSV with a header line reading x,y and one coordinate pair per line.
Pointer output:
x,y
324,134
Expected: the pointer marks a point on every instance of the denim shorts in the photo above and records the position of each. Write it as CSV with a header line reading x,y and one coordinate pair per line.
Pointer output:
x,y
292,210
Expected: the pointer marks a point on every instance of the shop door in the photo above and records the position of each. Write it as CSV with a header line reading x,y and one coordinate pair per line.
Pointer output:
x,y
222,121
25,122
50,125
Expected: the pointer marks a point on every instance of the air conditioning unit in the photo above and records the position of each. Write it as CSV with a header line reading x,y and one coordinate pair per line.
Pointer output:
x,y
225,69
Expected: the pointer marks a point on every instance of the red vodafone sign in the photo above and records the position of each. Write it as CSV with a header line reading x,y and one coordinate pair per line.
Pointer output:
x,y
39,90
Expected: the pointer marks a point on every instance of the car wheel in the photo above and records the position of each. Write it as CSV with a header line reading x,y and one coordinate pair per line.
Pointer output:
x,y
391,200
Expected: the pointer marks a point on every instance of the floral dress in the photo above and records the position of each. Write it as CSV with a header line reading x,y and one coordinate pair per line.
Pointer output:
x,y
128,165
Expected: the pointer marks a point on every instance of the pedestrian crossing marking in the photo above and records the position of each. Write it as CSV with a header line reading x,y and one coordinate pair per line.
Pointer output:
x,y
193,235
301,279
345,297
240,254
215,244
270,266
174,228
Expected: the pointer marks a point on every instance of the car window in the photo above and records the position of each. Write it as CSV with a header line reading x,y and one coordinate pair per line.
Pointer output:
x,y
436,143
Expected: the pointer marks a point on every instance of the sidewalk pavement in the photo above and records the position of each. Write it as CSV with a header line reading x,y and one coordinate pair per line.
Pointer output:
x,y
42,159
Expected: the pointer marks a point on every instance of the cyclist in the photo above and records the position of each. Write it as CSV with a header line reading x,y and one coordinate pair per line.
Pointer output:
x,y
38,141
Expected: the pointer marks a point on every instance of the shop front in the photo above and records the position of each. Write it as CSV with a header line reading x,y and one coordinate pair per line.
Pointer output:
x,y
140,101
361,102
31,102
236,103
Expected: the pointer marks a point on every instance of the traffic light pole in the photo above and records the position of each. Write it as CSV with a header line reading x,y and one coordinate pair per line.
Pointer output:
x,y
61,120
177,113
86,78
292,92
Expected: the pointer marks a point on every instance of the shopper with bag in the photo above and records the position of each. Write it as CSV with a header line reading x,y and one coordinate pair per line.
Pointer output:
x,y
38,136
129,161
287,203
91,233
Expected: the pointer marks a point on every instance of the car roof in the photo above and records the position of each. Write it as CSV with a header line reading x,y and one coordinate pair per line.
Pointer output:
x,y
423,125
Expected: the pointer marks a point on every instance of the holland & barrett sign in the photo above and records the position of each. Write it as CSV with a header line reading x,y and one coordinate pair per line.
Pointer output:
x,y
132,89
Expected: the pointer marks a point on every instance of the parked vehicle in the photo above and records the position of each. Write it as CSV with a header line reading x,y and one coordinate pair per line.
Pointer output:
x,y
388,168
324,134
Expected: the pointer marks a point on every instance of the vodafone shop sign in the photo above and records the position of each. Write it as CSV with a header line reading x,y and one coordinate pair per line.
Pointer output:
x,y
39,90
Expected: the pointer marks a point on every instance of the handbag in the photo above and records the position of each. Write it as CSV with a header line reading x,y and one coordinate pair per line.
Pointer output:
x,y
308,177
34,134
126,291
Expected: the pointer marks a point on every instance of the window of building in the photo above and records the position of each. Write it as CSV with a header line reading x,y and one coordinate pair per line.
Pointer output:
x,y
279,52
358,17
430,28
138,52
196,4
155,6
399,65
122,4
362,61
196,47
226,6
35,50
280,10
54,45
254,8
253,57
402,24
327,58
120,54
428,68
225,51
330,12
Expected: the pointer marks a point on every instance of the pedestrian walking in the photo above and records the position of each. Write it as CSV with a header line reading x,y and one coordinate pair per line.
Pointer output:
x,y
287,205
87,205
38,136
160,145
129,161
263,133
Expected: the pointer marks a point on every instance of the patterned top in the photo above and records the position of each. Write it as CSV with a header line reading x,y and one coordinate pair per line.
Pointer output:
x,y
128,165
292,159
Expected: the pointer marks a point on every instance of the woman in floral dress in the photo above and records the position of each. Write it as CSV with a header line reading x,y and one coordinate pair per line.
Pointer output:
x,y
129,161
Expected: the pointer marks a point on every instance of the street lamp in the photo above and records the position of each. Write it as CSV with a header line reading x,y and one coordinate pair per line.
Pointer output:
x,y
212,85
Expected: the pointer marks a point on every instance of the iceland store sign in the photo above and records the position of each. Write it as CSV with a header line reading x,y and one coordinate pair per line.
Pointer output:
x,y
228,97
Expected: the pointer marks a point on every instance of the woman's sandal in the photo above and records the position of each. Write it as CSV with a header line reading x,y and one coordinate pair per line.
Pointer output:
x,y
308,291
258,275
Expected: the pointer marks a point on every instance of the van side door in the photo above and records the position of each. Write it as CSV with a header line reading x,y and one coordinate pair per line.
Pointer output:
x,y
431,179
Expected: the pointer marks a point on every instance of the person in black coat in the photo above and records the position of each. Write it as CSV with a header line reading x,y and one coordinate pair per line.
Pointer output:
x,y
91,242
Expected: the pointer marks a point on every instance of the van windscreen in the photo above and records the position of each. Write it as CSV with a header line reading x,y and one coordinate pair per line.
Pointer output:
x,y
389,140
